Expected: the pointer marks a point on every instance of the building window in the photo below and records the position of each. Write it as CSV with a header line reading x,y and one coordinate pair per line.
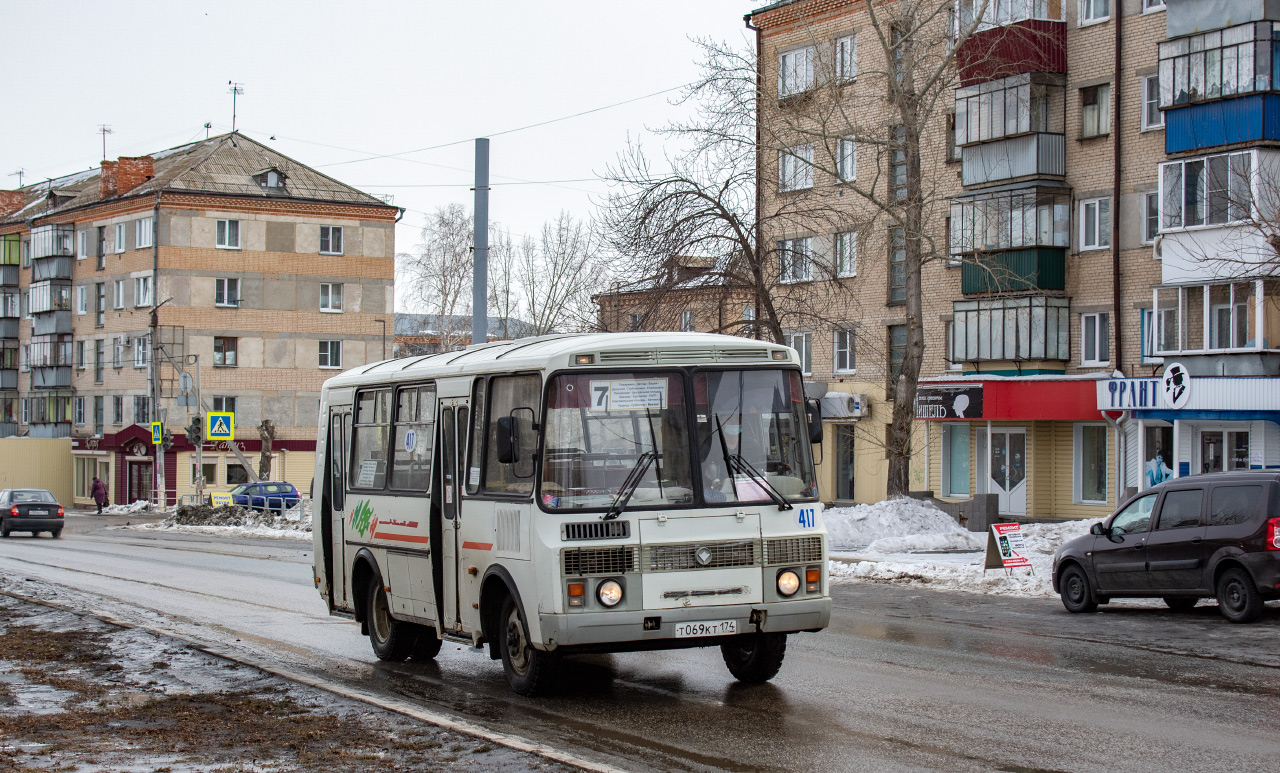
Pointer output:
x,y
117,351
143,231
954,153
1228,323
1095,339
228,234
1147,331
25,411
82,245
897,266
795,71
120,245
1095,224
79,411
795,168
1152,5
1219,63
331,296
141,410
141,351
1095,111
118,288
795,263
897,353
226,292
749,320
803,344
846,50
80,362
687,321
635,321
224,404
955,460
1091,463
102,246
99,359
845,357
1092,11
1214,190
117,409
847,161
330,240
100,310
224,352
82,300
1152,118
898,163
846,253
1150,217
331,354
949,331
142,291
846,462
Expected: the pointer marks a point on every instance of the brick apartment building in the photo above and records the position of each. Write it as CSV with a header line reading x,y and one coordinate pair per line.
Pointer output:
x,y
269,277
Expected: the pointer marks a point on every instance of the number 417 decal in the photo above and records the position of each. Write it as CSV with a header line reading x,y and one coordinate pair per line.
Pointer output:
x,y
808,517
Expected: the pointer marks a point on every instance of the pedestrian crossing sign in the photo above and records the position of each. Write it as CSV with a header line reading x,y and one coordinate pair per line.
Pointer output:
x,y
157,433
220,426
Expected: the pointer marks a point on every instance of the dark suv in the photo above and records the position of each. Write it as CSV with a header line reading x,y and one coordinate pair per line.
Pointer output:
x,y
1215,535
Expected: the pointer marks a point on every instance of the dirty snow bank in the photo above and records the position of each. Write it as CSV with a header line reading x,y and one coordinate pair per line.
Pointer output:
x,y
897,526
232,521
137,507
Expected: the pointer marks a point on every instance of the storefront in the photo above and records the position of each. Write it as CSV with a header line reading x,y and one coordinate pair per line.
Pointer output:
x,y
1039,444
1187,425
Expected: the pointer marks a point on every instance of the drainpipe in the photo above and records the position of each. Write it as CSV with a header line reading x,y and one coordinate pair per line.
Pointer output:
x,y
1116,135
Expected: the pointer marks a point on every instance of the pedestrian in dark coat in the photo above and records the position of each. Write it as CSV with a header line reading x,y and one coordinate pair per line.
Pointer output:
x,y
99,493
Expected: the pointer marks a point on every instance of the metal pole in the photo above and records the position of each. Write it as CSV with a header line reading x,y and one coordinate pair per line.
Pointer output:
x,y
200,481
153,361
480,271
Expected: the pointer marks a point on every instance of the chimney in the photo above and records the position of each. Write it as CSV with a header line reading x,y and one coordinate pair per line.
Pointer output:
x,y
11,201
107,180
132,172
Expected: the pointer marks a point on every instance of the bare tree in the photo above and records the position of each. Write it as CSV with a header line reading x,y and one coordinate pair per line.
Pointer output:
x,y
504,298
558,275
438,272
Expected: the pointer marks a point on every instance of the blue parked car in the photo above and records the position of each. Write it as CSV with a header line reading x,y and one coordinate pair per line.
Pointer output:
x,y
266,495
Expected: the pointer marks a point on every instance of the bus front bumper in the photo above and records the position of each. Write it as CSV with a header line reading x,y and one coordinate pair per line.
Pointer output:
x,y
629,627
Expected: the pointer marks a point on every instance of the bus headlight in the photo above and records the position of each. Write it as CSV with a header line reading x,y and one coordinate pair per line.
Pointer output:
x,y
788,583
610,593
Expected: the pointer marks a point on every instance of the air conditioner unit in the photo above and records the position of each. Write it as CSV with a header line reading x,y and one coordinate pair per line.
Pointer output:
x,y
857,405
844,405
124,342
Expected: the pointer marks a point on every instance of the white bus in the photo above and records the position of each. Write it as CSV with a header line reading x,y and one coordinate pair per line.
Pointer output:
x,y
574,493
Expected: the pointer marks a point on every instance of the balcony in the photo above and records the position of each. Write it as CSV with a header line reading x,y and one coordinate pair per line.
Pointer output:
x,y
1021,44
51,268
51,377
1017,218
1027,329
1184,17
8,327
9,275
1031,155
8,429
1251,118
49,429
51,323
53,241
1037,268
9,378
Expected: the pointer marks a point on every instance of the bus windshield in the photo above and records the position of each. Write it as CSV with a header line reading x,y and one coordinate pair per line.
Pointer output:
x,y
756,417
602,426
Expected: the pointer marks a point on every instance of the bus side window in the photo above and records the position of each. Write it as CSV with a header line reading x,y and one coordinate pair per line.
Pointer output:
x,y
519,396
476,447
414,438
337,463
372,436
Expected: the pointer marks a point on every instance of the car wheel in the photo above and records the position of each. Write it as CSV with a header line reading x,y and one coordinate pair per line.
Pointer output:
x,y
1238,598
392,639
427,644
754,658
530,671
56,533
1181,603
4,528
1076,594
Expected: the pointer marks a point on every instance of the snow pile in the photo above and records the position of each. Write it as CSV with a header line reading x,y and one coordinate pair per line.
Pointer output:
x,y
896,526
137,507
232,521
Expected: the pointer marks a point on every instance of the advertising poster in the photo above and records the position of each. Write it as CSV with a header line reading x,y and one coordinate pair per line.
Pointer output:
x,y
1157,467
1005,547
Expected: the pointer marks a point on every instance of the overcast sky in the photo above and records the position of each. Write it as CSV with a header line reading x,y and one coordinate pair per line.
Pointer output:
x,y
338,81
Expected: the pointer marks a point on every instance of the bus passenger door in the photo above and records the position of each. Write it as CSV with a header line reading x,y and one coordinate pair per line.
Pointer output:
x,y
452,437
336,544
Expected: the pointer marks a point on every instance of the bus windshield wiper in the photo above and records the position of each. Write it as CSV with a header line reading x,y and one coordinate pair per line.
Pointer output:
x,y
739,465
630,484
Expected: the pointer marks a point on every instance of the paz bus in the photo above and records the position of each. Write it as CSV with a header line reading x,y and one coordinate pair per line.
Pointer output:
x,y
574,493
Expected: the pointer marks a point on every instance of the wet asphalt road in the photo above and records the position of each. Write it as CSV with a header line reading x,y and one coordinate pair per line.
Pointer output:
x,y
904,679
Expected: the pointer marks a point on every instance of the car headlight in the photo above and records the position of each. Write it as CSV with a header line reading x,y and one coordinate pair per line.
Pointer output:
x,y
609,593
788,583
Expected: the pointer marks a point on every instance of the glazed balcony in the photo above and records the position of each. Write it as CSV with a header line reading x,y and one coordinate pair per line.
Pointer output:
x,y
53,241
9,275
10,313
1002,220
1015,271
59,267
1026,329
57,429
1030,155
1013,36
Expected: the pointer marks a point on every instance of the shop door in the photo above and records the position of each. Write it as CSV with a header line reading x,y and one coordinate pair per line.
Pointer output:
x,y
1008,469
139,482
1224,450
844,462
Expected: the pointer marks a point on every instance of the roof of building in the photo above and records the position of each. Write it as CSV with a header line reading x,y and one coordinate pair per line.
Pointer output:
x,y
225,165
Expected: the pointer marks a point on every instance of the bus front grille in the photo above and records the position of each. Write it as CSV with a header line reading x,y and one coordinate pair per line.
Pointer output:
x,y
614,560
792,550
574,532
670,558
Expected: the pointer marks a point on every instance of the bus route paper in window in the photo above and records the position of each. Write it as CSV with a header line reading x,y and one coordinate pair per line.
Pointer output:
x,y
368,473
629,394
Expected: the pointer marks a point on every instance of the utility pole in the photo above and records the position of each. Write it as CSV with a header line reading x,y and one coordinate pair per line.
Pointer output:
x,y
104,130
21,171
480,269
236,90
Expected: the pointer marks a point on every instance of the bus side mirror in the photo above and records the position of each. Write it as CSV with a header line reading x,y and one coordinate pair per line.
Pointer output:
x,y
813,412
508,440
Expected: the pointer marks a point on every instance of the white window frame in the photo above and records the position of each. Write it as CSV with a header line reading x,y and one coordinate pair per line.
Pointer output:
x,y
82,300
117,410
844,351
845,244
795,71
749,320
234,351
222,234
141,350
141,291
1099,238
327,295
1149,233
80,360
120,232
1150,102
325,359
949,331
845,49
847,159
687,321
1173,215
1101,112
79,403
805,350
117,351
26,412
1090,13
326,234
223,286
1077,448
82,245
117,293
795,168
794,254
1101,339
221,404
1152,6
1149,342
143,232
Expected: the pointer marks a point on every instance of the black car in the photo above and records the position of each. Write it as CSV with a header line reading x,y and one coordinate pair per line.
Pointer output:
x,y
1215,535
30,509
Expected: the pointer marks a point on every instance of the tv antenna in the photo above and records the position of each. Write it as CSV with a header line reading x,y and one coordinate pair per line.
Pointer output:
x,y
19,175
104,129
236,90
207,126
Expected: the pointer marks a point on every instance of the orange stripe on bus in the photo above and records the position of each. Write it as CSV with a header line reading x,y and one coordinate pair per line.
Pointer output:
x,y
401,537
477,546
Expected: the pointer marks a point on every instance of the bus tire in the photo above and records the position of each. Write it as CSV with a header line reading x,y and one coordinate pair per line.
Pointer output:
x,y
392,639
755,658
426,646
529,671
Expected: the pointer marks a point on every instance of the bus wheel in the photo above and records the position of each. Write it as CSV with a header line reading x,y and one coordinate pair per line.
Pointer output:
x,y
529,671
427,645
755,657
391,638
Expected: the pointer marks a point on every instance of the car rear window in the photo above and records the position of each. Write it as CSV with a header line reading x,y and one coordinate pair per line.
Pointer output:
x,y
32,496
1180,509
1234,504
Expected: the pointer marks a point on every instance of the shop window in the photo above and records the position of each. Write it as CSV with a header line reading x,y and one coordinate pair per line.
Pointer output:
x,y
845,461
236,474
955,460
1091,463
210,473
